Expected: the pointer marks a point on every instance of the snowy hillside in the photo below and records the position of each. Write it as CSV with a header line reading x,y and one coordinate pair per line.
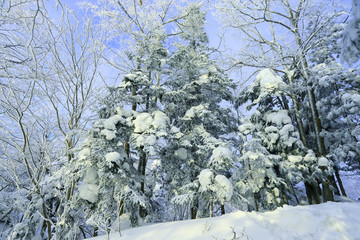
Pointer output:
x,y
328,221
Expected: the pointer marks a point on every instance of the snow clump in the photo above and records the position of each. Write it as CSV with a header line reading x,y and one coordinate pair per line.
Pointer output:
x,y
206,178
109,135
269,81
323,162
278,118
142,122
111,122
83,154
181,153
112,157
161,120
224,188
89,190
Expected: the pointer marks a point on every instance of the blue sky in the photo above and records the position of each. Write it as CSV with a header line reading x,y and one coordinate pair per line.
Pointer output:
x,y
212,27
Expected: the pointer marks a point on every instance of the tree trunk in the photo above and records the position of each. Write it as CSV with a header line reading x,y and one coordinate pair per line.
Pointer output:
x,y
222,209
256,198
48,224
316,121
127,149
336,169
334,185
121,207
299,123
141,170
309,194
120,212
312,192
70,190
294,193
327,193
194,209
96,230
315,193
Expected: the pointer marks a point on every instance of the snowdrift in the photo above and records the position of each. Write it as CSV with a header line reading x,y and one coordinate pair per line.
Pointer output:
x,y
328,221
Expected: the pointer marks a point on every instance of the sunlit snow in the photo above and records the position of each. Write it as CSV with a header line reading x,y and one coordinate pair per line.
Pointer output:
x,y
328,221
89,190
142,122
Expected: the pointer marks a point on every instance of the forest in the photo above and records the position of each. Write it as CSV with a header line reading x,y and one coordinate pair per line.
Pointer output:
x,y
126,108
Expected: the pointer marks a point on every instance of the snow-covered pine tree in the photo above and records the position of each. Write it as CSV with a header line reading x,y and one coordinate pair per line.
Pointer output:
x,y
350,44
195,103
141,90
145,34
214,188
284,46
107,183
255,181
110,168
336,89
113,159
272,133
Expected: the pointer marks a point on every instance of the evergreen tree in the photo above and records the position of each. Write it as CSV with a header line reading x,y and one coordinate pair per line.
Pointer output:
x,y
350,44
293,33
338,101
197,91
277,141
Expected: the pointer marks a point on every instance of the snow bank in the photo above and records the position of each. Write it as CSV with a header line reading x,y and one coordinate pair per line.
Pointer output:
x,y
328,221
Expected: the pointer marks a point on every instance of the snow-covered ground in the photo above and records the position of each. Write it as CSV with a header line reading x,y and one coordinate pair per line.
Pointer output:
x,y
351,182
328,221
